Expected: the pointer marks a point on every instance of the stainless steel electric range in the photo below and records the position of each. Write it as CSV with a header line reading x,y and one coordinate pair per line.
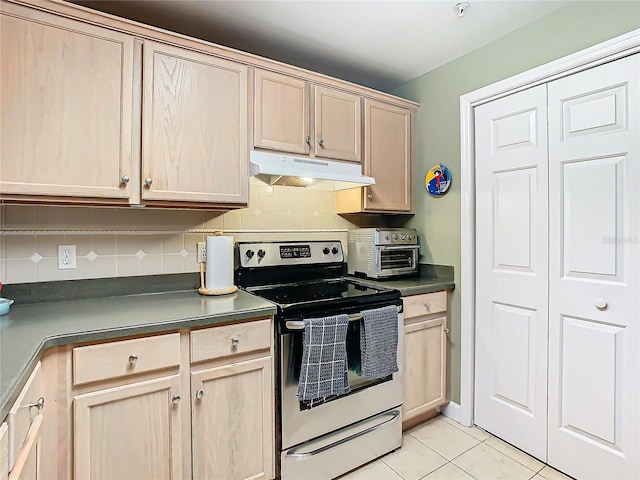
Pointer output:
x,y
305,280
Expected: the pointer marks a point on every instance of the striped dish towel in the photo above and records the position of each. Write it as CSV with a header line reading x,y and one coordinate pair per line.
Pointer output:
x,y
379,342
323,372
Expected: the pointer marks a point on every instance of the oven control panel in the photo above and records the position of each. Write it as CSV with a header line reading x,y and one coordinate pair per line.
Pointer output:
x,y
274,254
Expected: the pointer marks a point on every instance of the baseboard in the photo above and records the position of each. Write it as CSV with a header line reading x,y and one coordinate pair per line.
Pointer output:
x,y
453,411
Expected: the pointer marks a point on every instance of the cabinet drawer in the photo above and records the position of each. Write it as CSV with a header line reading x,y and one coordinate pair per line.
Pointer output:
x,y
426,304
126,357
22,413
216,342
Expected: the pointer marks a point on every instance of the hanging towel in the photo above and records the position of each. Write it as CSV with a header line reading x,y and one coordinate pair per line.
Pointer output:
x,y
379,342
323,372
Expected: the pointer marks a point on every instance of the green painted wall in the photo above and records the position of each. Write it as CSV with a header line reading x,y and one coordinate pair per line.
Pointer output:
x,y
437,138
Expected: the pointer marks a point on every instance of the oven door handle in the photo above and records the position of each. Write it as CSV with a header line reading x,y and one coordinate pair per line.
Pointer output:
x,y
398,247
299,324
393,416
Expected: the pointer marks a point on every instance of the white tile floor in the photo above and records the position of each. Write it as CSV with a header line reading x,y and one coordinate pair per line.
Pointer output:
x,y
442,449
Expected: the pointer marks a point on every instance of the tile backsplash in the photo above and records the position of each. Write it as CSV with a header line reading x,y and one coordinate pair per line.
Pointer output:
x,y
117,242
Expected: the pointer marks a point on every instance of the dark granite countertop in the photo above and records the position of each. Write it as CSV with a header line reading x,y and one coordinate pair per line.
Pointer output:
x,y
30,329
431,278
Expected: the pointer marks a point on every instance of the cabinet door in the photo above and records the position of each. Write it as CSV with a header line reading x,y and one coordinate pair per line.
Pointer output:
x,y
4,451
233,421
337,124
425,366
194,127
27,466
387,156
129,432
23,413
66,106
281,113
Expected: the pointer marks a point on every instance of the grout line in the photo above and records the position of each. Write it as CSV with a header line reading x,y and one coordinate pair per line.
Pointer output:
x,y
462,428
522,451
516,460
390,467
458,456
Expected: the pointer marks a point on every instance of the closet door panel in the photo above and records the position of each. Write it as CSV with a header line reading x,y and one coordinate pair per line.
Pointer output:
x,y
511,269
594,282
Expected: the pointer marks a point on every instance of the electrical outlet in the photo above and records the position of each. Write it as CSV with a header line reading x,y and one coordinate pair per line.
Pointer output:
x,y
66,257
202,251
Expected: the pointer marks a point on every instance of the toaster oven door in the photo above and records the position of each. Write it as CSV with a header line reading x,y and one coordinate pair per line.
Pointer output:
x,y
394,260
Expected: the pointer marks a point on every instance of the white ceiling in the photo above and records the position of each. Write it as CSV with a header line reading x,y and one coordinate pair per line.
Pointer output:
x,y
381,44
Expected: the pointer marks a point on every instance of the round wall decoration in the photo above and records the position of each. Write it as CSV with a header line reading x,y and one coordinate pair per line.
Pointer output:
x,y
438,180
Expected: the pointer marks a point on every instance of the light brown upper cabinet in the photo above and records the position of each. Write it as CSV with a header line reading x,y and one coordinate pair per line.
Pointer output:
x,y
284,121
387,158
71,115
66,107
195,145
281,113
337,124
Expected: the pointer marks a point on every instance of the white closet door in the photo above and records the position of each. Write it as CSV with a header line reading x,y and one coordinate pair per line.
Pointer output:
x,y
594,307
511,269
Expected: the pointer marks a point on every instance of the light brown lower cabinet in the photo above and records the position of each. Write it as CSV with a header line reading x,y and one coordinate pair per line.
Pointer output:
x,y
4,451
425,357
24,423
27,462
192,404
232,421
130,431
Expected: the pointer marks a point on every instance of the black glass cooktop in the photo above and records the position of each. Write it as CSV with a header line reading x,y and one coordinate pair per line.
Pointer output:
x,y
339,291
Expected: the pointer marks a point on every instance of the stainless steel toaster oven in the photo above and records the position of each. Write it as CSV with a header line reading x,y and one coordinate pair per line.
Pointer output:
x,y
382,252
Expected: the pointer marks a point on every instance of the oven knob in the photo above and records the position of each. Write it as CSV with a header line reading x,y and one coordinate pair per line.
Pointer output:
x,y
325,250
334,250
410,237
261,253
395,236
403,236
249,253
386,236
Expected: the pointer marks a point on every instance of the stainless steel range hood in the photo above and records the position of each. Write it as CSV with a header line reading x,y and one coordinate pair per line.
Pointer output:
x,y
278,169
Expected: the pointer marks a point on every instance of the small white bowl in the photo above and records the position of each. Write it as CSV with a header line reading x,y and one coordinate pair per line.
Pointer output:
x,y
5,303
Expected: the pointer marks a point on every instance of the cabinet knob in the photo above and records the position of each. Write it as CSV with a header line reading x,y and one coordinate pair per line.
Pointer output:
x,y
133,358
235,341
148,181
125,179
445,330
199,394
175,399
308,139
320,141
600,303
39,404
427,306
370,196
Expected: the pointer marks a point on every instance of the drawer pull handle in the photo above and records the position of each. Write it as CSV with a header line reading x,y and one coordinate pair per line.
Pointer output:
x,y
427,305
175,399
235,341
199,394
133,358
39,404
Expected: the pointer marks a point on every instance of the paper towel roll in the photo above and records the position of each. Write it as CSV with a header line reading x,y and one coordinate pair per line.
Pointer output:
x,y
219,266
